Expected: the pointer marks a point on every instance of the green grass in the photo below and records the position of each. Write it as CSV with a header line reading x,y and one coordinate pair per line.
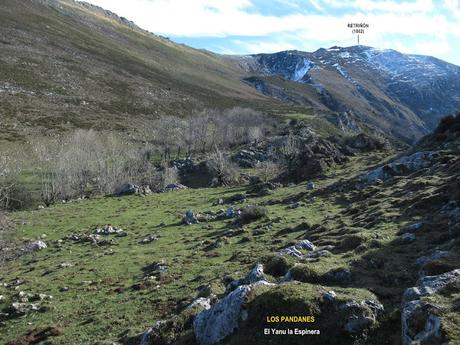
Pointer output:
x,y
189,265
106,306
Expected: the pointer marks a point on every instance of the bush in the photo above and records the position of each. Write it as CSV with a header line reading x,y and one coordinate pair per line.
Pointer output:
x,y
224,171
252,213
268,170
13,195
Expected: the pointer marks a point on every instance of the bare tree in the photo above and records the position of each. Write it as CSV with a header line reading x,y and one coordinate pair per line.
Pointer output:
x,y
13,195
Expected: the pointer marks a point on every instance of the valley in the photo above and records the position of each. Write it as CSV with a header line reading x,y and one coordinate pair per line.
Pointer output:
x,y
156,194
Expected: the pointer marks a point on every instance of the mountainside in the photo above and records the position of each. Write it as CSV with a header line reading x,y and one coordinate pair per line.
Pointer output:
x,y
67,64
70,64
405,94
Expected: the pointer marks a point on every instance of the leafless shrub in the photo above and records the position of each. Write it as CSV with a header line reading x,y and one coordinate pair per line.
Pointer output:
x,y
268,170
163,177
289,151
225,172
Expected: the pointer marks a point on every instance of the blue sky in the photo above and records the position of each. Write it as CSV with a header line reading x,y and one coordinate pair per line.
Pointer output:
x,y
429,27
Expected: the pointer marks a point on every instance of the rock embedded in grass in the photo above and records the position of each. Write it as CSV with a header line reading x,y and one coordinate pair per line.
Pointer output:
x,y
408,237
38,245
436,255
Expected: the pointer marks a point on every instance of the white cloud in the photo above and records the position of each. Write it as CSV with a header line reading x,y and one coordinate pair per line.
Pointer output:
x,y
453,6
226,18
221,18
394,6
264,46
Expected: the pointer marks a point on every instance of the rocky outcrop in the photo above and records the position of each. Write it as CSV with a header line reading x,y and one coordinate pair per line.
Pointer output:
x,y
254,276
421,320
215,324
221,320
401,166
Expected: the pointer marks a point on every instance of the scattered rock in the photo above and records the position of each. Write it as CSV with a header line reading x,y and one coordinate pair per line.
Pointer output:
x,y
38,245
411,228
255,275
341,275
190,218
201,302
318,254
174,186
291,251
408,237
311,185
65,265
329,296
110,230
356,324
436,255
149,239
306,245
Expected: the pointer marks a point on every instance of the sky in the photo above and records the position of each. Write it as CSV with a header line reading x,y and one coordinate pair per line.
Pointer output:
x,y
428,27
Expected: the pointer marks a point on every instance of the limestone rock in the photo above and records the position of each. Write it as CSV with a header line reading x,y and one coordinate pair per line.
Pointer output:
x,y
420,321
222,319
38,245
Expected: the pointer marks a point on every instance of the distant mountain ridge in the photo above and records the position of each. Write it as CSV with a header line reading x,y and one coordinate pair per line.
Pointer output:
x,y
68,64
413,91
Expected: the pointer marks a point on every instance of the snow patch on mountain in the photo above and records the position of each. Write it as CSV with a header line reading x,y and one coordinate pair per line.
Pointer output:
x,y
302,69
343,72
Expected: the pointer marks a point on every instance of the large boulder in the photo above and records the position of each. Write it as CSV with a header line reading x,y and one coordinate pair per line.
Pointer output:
x,y
222,320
